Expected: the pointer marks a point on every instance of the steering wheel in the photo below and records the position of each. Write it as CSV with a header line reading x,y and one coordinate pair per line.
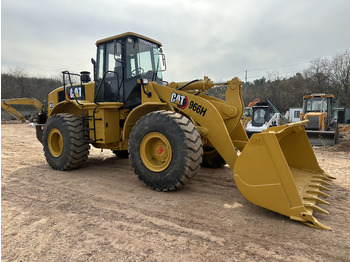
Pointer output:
x,y
139,69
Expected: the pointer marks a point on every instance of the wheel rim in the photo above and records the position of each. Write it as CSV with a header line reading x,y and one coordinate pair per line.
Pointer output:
x,y
55,142
155,151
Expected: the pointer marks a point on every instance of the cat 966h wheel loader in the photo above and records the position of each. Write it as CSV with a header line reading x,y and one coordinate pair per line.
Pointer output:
x,y
168,128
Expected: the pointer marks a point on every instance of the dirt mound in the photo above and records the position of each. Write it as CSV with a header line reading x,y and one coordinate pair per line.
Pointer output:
x,y
344,143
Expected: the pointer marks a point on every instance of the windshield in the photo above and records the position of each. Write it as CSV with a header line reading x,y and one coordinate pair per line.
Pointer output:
x,y
316,104
143,58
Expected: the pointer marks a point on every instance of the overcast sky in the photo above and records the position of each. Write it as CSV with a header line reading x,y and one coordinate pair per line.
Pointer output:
x,y
218,38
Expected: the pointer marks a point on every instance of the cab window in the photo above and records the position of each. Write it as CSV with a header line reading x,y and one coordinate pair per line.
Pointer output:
x,y
113,59
100,59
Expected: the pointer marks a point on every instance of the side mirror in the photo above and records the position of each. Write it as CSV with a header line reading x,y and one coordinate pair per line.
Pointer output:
x,y
164,62
93,61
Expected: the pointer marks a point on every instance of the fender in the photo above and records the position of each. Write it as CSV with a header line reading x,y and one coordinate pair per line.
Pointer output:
x,y
66,107
139,112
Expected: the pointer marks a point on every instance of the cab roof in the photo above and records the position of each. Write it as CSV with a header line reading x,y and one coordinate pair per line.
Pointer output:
x,y
318,95
125,35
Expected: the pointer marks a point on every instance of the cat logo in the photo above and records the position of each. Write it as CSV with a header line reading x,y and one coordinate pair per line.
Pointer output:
x,y
75,92
180,100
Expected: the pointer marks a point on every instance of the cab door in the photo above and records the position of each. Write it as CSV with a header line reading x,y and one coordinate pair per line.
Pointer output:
x,y
109,76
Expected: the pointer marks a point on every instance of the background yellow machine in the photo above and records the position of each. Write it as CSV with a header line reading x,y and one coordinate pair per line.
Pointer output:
x,y
7,105
320,110
169,128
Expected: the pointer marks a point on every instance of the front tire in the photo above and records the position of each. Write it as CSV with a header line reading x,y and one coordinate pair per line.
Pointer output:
x,y
165,150
65,145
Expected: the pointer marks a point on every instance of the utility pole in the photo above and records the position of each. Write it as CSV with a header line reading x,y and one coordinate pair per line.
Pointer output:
x,y
246,76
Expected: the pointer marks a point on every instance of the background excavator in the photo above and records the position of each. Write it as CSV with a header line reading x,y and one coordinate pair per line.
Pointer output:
x,y
320,110
7,105
166,127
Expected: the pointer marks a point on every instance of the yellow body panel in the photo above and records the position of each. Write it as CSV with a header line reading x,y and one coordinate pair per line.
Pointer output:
x,y
220,118
106,125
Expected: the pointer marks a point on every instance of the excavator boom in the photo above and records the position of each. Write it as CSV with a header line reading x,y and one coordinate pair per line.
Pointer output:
x,y
6,105
13,112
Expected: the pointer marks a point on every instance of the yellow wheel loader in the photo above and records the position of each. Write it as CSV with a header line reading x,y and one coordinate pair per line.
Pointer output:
x,y
170,129
320,110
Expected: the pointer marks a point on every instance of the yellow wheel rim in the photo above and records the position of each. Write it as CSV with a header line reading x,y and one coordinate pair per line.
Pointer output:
x,y
155,151
55,142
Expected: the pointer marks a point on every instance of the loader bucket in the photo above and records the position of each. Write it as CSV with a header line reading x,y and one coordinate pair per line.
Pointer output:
x,y
322,138
278,170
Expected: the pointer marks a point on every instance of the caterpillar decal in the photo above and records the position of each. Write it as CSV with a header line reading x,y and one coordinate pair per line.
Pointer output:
x,y
180,100
75,92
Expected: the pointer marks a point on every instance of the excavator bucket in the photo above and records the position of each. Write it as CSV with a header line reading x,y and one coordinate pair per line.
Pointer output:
x,y
278,170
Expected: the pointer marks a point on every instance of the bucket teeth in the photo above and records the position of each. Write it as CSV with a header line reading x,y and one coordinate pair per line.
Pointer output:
x,y
317,192
320,187
329,176
316,208
316,199
313,222
320,181
325,177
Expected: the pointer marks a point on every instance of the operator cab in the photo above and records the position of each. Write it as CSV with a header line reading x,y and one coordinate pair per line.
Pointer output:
x,y
320,103
262,113
121,61
317,103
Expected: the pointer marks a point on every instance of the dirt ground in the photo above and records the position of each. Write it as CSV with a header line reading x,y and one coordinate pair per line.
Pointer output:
x,y
102,212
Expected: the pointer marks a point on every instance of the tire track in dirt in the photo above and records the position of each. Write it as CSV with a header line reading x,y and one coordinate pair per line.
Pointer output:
x,y
99,207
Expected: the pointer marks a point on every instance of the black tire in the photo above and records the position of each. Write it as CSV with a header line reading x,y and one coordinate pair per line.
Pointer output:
x,y
212,158
65,145
121,153
165,150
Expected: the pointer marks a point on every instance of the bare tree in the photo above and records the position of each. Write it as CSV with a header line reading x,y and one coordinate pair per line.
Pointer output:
x,y
341,76
318,75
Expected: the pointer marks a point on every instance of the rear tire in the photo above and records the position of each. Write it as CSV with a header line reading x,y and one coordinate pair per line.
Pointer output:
x,y
165,150
65,145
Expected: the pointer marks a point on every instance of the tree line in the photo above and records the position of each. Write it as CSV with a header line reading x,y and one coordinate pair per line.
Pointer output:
x,y
16,83
322,76
330,76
